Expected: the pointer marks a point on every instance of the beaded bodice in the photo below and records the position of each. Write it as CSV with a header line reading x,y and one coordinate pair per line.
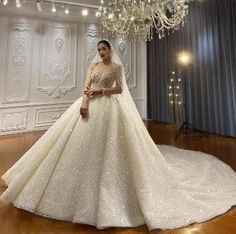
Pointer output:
x,y
106,79
103,79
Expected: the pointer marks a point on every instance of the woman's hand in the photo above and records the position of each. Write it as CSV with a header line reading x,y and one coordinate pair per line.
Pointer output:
x,y
89,91
86,90
84,110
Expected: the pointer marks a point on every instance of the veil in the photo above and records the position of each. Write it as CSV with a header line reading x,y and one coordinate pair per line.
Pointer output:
x,y
125,99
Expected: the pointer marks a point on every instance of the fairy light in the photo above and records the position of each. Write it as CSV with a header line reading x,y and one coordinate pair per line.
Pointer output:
x,y
174,90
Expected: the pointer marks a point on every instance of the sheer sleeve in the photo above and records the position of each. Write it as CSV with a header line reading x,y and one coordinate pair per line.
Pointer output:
x,y
88,80
119,78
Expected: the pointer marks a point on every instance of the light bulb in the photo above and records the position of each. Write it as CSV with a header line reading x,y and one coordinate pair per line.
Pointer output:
x,y
98,14
110,16
67,10
84,12
184,58
54,7
18,3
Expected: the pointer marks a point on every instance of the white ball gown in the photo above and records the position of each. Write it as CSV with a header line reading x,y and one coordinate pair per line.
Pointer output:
x,y
106,171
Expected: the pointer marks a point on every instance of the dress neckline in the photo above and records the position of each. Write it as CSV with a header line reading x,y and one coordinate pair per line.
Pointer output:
x,y
106,72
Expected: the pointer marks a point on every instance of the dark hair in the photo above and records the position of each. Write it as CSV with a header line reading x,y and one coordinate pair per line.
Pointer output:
x,y
105,42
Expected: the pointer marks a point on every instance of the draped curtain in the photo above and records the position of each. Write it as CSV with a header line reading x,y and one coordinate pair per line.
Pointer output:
x,y
210,37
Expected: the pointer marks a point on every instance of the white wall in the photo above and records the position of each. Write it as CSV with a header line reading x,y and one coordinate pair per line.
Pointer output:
x,y
43,66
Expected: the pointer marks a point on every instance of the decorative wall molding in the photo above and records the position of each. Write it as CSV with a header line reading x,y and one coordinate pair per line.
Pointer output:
x,y
59,41
51,58
91,40
58,61
12,121
47,116
56,76
128,57
122,46
36,104
18,63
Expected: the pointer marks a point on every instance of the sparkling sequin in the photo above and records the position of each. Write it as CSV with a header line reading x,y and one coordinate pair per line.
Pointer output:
x,y
107,171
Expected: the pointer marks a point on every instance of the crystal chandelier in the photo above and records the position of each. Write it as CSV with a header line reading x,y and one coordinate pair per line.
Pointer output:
x,y
139,18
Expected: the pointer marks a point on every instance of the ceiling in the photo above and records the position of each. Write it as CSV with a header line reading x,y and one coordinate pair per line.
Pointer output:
x,y
29,8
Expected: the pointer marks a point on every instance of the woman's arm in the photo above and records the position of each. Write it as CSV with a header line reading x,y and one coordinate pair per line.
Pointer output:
x,y
107,91
87,83
85,99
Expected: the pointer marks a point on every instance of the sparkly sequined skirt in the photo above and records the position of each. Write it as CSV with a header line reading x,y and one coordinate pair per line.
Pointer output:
x,y
106,171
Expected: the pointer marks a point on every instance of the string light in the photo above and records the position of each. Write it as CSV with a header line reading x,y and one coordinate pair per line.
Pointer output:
x,y
174,90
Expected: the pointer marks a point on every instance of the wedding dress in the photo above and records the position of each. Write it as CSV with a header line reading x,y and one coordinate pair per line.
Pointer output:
x,y
105,170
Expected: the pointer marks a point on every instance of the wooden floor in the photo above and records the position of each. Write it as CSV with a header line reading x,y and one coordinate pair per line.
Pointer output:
x,y
18,221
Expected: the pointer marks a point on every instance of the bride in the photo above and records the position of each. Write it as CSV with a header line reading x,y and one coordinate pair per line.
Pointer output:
x,y
98,165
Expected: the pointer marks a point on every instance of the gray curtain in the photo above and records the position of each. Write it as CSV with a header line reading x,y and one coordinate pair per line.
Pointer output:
x,y
210,36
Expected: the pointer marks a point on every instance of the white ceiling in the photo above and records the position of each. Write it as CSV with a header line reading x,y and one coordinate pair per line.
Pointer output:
x,y
29,8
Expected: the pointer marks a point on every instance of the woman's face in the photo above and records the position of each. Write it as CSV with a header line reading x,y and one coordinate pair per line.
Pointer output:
x,y
104,51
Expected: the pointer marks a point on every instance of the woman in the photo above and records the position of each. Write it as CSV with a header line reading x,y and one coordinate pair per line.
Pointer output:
x,y
101,167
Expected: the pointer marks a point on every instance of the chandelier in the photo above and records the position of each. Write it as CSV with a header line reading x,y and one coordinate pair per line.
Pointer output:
x,y
139,18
